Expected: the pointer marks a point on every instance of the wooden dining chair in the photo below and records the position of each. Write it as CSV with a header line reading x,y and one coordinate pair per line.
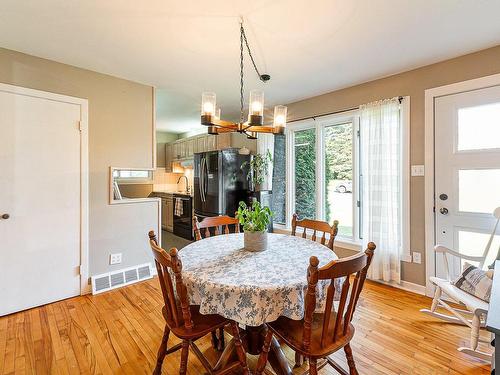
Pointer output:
x,y
203,228
316,226
318,335
184,320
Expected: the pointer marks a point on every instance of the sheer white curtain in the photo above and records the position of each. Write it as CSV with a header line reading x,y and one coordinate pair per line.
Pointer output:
x,y
381,155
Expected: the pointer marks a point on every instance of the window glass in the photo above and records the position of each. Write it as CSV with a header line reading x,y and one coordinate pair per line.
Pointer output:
x,y
478,190
124,174
279,179
339,177
305,173
479,127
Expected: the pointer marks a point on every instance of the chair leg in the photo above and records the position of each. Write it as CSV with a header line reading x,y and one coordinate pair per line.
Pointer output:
x,y
299,359
184,357
162,351
215,340
435,300
261,364
240,351
474,333
222,343
350,360
313,366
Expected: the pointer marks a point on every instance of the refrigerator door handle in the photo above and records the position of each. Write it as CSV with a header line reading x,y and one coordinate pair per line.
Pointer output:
x,y
202,179
205,179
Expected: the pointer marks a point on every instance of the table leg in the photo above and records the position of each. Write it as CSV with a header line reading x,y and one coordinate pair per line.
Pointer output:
x,y
253,340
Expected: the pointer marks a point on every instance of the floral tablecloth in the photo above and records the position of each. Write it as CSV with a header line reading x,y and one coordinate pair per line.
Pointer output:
x,y
252,288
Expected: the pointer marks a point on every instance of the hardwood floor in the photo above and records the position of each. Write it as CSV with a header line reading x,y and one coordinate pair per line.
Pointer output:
x,y
120,331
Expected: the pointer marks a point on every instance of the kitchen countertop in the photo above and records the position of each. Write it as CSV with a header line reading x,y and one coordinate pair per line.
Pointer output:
x,y
170,193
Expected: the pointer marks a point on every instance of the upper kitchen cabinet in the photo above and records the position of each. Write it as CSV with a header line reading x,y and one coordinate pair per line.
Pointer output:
x,y
168,157
211,143
189,148
186,148
164,149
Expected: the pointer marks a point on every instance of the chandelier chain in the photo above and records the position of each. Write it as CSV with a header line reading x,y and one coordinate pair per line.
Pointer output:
x,y
250,53
242,33
243,40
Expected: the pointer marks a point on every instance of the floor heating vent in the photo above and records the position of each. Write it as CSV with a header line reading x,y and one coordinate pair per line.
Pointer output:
x,y
112,280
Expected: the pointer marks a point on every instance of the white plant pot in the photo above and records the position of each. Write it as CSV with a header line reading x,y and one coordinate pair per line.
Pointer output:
x,y
255,241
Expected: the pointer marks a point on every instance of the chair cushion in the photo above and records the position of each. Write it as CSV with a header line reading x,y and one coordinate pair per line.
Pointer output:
x,y
475,281
471,302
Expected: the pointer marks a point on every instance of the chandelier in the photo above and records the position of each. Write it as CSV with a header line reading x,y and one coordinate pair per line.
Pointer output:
x,y
210,114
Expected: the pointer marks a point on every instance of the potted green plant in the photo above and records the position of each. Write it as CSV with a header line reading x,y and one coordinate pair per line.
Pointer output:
x,y
258,173
254,220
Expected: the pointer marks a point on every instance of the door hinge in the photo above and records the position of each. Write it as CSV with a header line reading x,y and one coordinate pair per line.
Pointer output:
x,y
358,133
80,126
358,204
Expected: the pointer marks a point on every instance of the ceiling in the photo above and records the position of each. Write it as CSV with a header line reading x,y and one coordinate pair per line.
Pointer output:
x,y
186,47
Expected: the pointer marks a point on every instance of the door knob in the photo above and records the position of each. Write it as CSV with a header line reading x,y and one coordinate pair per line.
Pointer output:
x,y
5,216
443,210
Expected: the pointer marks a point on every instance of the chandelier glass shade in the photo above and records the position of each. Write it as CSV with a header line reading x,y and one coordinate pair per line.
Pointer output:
x,y
211,114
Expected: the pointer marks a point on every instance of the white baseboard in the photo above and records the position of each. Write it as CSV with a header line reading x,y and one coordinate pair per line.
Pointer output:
x,y
405,285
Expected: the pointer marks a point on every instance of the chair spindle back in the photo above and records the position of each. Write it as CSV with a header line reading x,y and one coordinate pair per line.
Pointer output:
x,y
215,222
316,226
357,266
169,266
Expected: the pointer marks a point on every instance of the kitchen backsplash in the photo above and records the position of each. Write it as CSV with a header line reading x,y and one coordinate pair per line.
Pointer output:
x,y
163,181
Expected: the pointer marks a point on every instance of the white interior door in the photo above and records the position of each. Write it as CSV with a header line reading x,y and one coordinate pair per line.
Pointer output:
x,y
40,193
467,172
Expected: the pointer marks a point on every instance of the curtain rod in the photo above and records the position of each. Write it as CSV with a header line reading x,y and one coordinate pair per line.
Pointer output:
x,y
400,98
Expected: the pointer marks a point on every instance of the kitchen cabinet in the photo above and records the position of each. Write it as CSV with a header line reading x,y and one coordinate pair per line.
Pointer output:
x,y
190,147
211,143
224,141
168,157
175,151
170,214
167,213
201,143
182,149
164,213
187,147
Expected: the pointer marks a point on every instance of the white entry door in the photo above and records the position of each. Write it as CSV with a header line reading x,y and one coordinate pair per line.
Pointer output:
x,y
467,172
40,195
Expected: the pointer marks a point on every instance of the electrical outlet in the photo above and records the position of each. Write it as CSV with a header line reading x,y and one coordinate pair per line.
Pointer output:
x,y
417,257
417,170
115,258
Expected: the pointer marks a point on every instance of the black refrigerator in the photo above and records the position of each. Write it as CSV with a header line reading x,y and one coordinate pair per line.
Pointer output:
x,y
219,182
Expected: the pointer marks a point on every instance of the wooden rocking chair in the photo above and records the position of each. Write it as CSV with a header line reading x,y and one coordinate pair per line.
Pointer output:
x,y
474,311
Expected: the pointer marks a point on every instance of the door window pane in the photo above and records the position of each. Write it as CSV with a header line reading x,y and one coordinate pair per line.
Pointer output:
x,y
339,177
478,190
479,127
305,173
474,243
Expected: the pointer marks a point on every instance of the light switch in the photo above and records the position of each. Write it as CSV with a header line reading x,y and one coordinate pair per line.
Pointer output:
x,y
417,170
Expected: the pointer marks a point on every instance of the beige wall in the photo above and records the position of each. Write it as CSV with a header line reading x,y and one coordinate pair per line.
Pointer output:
x,y
412,83
120,134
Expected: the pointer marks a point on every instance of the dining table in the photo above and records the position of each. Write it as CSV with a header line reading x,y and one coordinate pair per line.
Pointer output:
x,y
254,288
